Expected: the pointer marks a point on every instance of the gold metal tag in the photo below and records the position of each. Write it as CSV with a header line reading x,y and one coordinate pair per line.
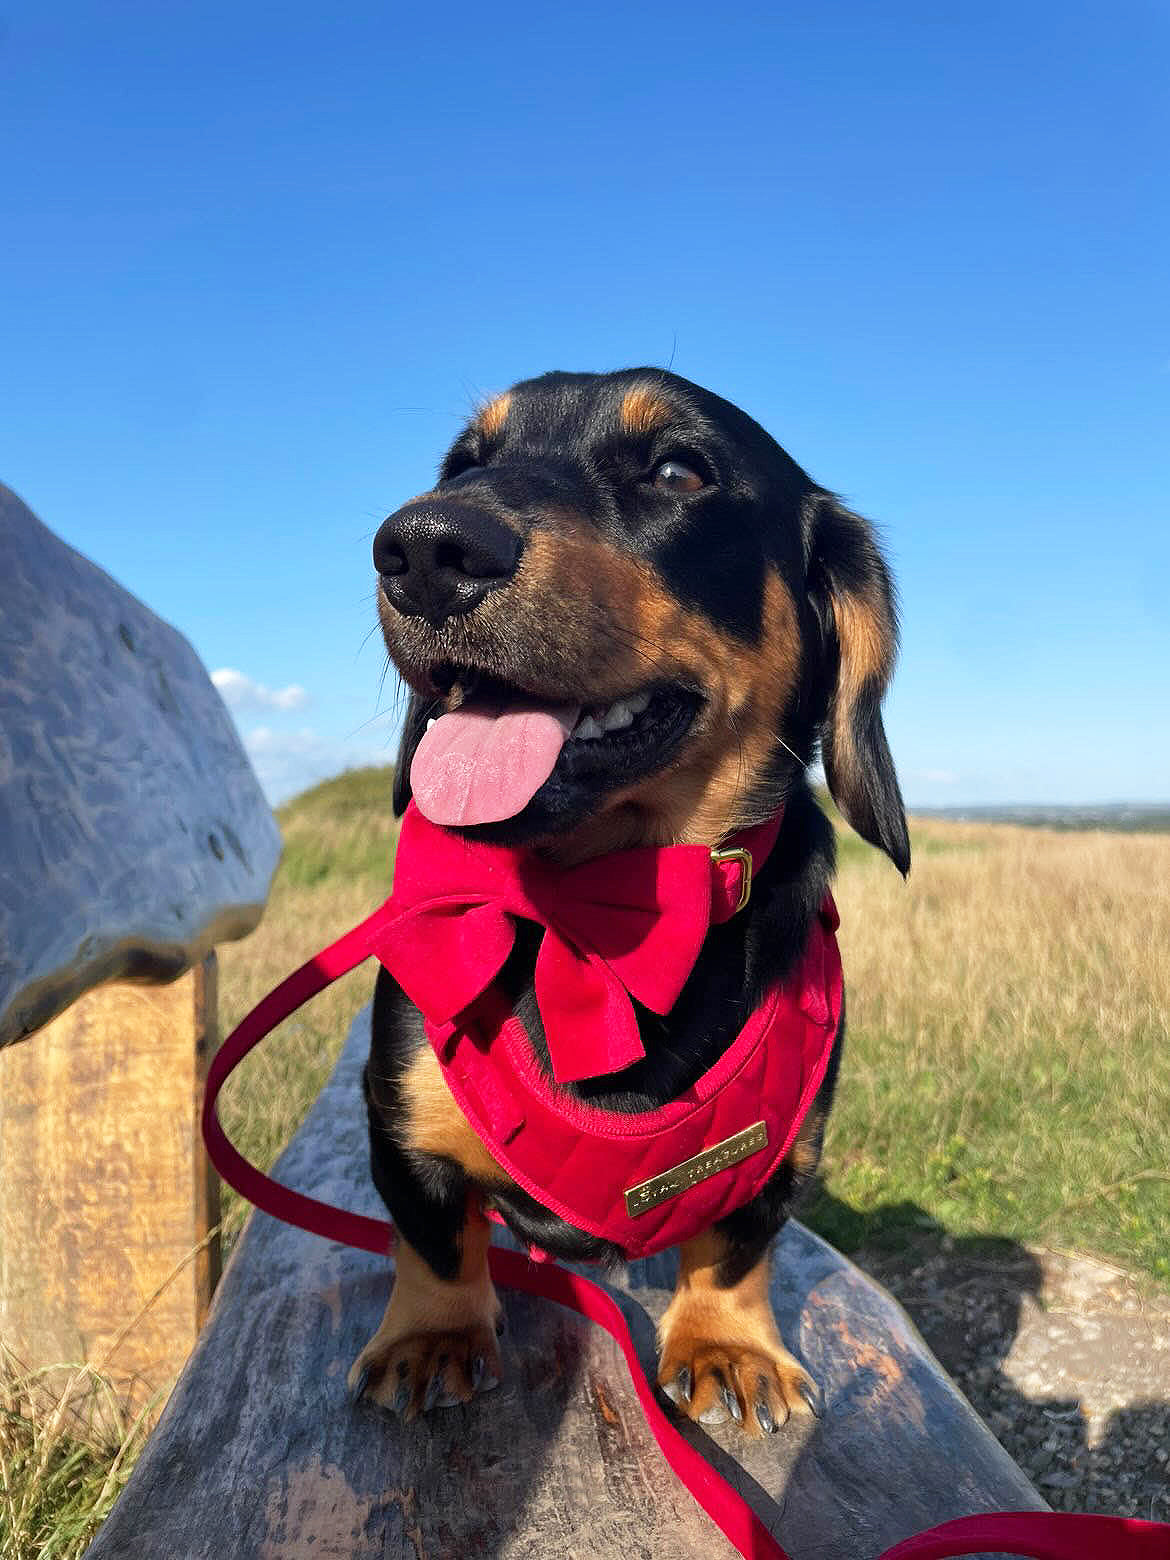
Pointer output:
x,y
660,1188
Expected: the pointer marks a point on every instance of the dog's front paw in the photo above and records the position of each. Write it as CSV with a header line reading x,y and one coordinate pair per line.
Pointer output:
x,y
713,1373
418,1371
437,1345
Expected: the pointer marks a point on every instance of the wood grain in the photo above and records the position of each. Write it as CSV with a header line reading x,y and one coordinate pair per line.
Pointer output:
x,y
259,1455
133,833
105,1188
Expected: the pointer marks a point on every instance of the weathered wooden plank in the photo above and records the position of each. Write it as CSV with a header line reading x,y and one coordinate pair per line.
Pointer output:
x,y
133,834
105,1187
259,1454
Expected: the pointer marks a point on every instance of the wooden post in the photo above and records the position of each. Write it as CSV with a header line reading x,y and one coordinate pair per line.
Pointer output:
x,y
108,1206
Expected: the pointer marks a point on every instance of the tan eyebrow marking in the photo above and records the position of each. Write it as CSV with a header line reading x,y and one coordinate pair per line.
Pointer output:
x,y
644,408
495,414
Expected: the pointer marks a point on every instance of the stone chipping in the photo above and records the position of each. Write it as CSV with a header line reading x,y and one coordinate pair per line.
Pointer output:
x,y
1065,1357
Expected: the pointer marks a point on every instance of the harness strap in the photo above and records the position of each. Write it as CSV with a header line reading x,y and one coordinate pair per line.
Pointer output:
x,y
1037,1535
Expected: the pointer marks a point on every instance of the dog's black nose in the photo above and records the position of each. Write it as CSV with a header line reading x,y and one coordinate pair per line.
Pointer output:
x,y
440,560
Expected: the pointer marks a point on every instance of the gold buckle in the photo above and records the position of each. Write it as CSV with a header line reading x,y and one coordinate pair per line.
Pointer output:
x,y
744,857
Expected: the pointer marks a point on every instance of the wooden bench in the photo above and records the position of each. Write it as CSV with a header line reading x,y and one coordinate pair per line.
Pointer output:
x,y
133,839
259,1454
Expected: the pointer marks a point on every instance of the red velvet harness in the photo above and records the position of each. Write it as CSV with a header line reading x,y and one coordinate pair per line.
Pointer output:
x,y
784,1047
633,923
581,1162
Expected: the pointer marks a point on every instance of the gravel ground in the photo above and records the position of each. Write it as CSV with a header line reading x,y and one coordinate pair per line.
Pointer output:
x,y
1066,1358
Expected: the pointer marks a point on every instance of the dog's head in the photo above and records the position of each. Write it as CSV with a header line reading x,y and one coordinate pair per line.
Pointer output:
x,y
627,616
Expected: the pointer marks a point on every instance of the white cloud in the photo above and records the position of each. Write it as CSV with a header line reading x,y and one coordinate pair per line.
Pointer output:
x,y
263,741
241,693
289,761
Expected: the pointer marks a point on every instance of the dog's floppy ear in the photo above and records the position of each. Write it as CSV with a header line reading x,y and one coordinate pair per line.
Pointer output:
x,y
852,595
418,712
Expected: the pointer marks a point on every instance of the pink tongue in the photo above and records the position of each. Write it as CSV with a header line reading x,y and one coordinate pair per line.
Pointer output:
x,y
486,762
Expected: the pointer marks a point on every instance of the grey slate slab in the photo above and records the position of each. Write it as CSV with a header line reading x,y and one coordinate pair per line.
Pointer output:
x,y
133,833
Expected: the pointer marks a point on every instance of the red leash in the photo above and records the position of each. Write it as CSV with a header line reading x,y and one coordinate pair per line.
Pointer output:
x,y
1035,1534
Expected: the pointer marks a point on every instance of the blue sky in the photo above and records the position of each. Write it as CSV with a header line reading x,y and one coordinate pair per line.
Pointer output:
x,y
258,262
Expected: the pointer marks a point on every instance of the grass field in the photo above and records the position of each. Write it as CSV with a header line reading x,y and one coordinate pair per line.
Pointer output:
x,y
1007,1072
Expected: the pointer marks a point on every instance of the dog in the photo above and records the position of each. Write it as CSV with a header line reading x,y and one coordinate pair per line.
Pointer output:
x,y
639,558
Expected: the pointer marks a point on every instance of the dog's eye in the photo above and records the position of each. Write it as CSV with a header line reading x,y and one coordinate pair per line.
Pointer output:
x,y
674,477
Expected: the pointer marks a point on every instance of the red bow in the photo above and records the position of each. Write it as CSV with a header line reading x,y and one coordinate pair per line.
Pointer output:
x,y
627,924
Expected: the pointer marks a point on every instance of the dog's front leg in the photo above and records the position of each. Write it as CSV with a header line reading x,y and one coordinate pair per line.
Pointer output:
x,y
721,1354
437,1344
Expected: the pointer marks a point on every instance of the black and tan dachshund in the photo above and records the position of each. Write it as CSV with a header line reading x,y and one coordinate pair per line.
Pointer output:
x,y
635,550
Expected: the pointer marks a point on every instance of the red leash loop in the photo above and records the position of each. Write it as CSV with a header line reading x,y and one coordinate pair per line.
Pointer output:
x,y
1039,1535
307,1213
1036,1535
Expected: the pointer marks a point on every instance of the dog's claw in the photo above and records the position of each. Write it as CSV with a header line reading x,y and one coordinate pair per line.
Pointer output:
x,y
401,1399
431,1396
763,1412
733,1407
358,1389
477,1370
813,1398
679,1390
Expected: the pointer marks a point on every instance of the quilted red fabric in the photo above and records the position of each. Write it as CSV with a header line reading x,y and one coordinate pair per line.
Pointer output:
x,y
579,1161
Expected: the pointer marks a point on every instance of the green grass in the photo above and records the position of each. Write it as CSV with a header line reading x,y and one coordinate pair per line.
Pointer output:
x,y
1006,1072
337,830
65,1453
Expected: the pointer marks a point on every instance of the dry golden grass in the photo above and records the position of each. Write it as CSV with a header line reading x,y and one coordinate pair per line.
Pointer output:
x,y
338,865
66,1449
1007,1067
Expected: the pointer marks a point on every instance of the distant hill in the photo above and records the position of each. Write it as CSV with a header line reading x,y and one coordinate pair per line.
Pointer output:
x,y
1121,817
366,792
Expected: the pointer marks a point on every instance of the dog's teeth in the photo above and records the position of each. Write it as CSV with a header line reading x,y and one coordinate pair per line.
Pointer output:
x,y
620,714
431,722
